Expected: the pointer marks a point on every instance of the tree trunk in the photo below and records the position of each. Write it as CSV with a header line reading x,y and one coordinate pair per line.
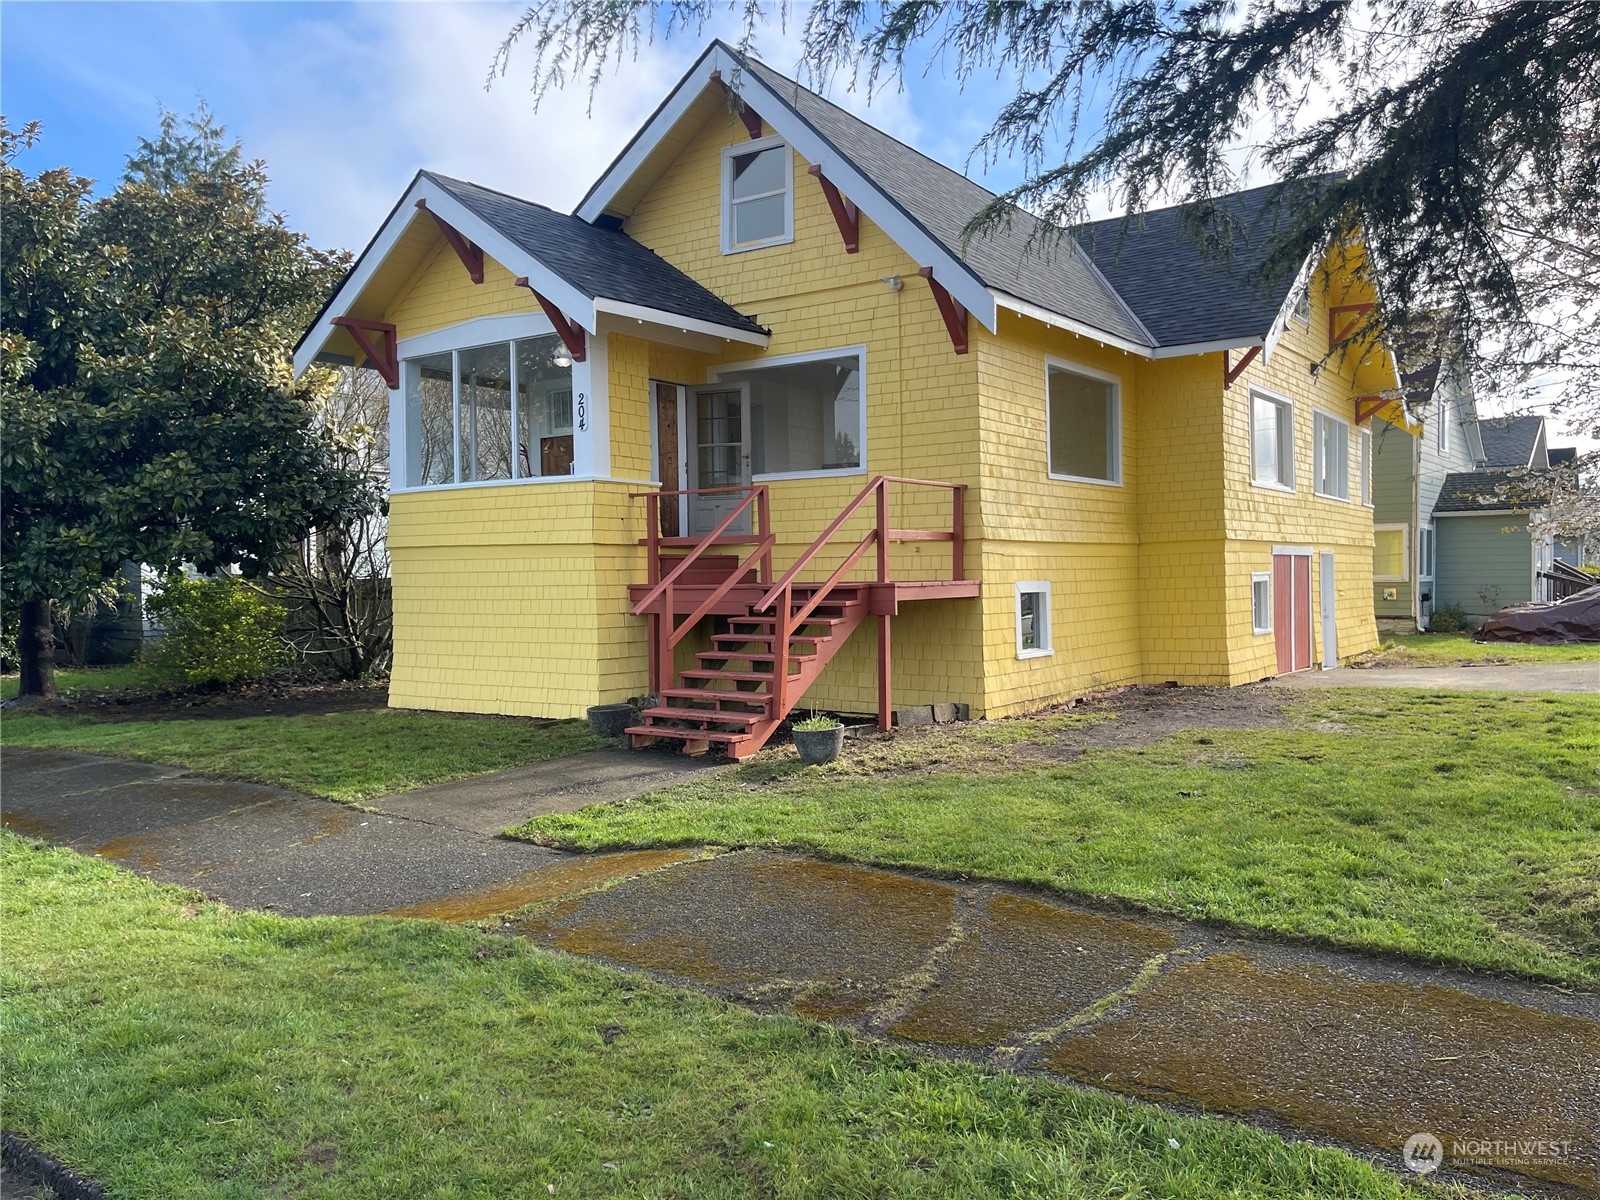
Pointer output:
x,y
36,651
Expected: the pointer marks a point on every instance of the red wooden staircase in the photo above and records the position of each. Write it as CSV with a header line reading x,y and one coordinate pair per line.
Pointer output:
x,y
771,639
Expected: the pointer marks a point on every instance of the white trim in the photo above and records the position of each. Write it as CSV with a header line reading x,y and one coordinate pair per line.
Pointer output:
x,y
1281,483
1365,463
539,480
1316,455
1300,551
1280,322
1255,578
714,376
740,150
480,331
657,316
1046,645
1404,528
1114,433
1054,319
954,275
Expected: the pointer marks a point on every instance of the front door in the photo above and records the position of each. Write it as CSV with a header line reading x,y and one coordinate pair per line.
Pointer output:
x,y
669,453
719,455
1330,613
1291,611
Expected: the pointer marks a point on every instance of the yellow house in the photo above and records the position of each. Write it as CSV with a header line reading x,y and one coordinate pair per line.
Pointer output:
x,y
753,428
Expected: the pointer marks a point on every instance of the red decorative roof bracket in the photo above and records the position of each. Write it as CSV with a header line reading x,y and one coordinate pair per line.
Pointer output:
x,y
471,257
751,118
385,361
1368,407
845,214
570,332
951,309
1232,371
1350,315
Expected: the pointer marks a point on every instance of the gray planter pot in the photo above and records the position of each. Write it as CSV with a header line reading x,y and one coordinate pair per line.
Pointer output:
x,y
609,720
818,746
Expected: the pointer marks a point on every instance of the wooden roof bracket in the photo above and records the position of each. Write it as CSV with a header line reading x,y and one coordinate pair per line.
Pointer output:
x,y
751,118
570,332
1231,372
470,255
845,214
1368,407
385,360
1350,315
951,309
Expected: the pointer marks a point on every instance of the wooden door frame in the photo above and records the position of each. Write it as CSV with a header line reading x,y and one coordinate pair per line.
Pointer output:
x,y
681,450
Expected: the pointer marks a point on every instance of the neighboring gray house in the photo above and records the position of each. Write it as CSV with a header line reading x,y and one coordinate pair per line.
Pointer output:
x,y
1408,473
1487,555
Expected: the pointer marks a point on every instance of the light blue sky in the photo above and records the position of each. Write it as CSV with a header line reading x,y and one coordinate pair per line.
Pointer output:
x,y
346,101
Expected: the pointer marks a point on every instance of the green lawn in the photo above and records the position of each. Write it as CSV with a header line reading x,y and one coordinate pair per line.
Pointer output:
x,y
95,678
352,755
1462,828
1458,650
215,1053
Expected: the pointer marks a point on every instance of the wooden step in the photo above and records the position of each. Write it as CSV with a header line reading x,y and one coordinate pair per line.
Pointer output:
x,y
718,673
765,639
714,716
695,741
830,622
746,656
761,698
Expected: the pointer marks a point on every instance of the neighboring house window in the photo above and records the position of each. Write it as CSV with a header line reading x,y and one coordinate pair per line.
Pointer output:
x,y
487,413
1261,602
807,411
1332,457
1083,424
1272,439
1389,553
1033,618
1441,421
1366,467
757,195
1425,545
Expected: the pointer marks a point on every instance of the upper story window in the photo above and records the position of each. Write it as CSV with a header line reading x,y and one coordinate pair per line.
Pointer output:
x,y
1441,421
496,412
1272,440
1302,305
1084,424
1333,457
757,195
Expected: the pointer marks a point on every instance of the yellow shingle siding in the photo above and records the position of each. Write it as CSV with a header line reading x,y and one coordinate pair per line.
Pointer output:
x,y
443,294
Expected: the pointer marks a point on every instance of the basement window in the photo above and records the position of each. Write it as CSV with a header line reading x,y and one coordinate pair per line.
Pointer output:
x,y
1033,619
757,195
1261,602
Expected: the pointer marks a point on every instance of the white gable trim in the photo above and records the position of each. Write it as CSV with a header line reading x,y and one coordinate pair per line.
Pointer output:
x,y
954,275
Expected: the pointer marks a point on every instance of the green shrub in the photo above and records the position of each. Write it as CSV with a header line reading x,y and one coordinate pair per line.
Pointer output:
x,y
215,631
1448,618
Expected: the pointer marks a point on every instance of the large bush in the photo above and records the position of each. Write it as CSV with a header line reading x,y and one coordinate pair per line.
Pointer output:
x,y
1448,618
215,631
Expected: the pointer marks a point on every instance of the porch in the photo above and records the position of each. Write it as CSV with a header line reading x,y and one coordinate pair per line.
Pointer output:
x,y
771,637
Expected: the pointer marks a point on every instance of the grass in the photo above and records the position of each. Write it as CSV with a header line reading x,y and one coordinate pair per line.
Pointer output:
x,y
350,756
1459,650
221,1054
1461,828
78,679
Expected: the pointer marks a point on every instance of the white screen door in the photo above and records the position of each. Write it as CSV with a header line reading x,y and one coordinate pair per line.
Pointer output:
x,y
719,455
1330,613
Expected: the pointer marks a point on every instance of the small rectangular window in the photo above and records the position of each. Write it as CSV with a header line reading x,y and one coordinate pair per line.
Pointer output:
x,y
757,196
1441,421
1302,305
1084,426
1272,440
1033,619
1425,552
1332,477
1261,602
1389,553
1366,467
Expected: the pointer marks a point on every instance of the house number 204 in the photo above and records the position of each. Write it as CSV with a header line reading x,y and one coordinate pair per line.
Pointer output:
x,y
583,413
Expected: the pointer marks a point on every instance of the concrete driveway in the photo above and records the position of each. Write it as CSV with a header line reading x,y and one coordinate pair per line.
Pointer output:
x,y
1518,677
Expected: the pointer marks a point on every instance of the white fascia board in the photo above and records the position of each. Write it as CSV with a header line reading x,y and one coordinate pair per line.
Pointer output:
x,y
558,291
955,276
1280,323
661,316
1027,309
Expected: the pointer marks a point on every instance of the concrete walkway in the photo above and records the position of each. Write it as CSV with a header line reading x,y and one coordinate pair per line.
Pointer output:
x,y
1359,1051
1517,677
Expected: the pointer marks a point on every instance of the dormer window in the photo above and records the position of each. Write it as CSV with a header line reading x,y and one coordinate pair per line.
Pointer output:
x,y
757,195
1302,306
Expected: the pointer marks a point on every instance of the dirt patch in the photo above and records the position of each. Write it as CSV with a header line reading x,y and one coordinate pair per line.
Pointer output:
x,y
268,699
1143,716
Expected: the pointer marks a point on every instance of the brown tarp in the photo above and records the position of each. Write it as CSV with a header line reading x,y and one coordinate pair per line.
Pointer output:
x,y
1575,619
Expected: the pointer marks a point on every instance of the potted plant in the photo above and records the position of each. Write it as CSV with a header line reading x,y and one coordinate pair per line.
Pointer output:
x,y
609,720
818,739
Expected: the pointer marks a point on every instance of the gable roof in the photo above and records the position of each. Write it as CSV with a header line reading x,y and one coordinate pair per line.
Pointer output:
x,y
1490,491
1510,441
1144,285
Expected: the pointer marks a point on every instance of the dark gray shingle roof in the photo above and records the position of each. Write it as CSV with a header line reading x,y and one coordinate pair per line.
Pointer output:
x,y
1489,491
595,260
1509,441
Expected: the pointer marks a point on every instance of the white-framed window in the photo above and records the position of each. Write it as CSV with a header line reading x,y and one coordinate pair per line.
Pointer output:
x,y
1083,423
1390,555
757,195
488,413
1272,440
808,412
1425,552
1261,602
1332,473
1441,421
1033,619
1366,467
1302,305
